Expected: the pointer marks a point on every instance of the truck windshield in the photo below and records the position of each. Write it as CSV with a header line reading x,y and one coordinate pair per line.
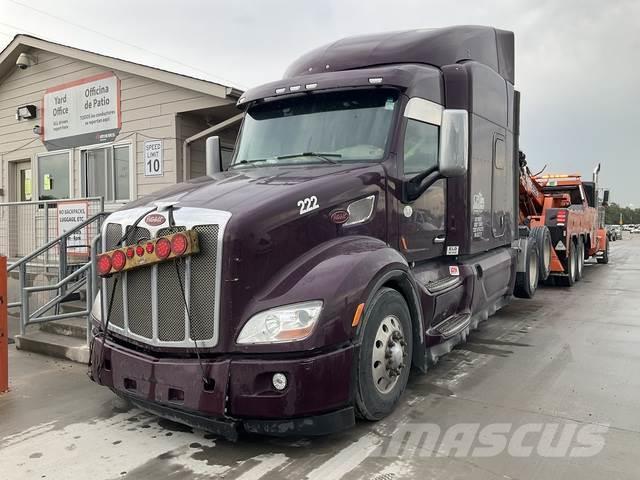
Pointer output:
x,y
318,128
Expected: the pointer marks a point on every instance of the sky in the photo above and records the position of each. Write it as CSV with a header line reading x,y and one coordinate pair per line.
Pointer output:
x,y
576,60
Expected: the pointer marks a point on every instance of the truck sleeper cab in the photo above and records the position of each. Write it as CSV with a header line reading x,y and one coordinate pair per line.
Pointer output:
x,y
367,223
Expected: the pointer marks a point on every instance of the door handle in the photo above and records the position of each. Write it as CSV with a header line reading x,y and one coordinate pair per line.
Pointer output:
x,y
439,239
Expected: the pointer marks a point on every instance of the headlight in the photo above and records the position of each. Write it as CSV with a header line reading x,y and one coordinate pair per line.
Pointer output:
x,y
290,323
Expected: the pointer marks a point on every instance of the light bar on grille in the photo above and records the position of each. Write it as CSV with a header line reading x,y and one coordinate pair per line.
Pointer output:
x,y
148,252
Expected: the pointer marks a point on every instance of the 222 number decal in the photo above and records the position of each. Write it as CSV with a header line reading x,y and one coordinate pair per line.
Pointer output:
x,y
308,204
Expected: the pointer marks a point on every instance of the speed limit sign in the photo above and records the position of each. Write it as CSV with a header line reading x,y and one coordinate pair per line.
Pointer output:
x,y
153,158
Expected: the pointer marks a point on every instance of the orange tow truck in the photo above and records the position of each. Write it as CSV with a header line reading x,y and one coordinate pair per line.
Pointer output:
x,y
566,216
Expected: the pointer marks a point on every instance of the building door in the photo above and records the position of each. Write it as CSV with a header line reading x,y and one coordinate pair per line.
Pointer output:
x,y
24,187
20,218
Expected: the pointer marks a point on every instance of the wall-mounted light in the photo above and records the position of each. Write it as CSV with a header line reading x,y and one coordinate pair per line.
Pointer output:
x,y
26,112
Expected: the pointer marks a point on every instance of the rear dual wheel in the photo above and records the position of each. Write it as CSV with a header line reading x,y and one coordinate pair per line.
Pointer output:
x,y
580,261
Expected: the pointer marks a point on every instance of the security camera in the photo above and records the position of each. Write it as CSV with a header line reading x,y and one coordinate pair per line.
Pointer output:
x,y
25,61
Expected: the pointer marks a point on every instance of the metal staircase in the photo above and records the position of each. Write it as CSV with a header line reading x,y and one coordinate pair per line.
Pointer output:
x,y
55,286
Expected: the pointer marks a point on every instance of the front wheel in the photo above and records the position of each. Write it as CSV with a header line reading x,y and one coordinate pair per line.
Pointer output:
x,y
527,281
605,256
572,265
385,355
543,241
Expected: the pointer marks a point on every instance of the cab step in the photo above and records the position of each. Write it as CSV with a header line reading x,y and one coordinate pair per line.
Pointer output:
x,y
437,286
452,325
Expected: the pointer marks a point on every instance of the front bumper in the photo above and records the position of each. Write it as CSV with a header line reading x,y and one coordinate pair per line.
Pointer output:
x,y
316,401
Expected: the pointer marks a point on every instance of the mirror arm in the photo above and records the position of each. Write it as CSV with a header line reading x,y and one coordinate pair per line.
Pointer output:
x,y
420,183
417,180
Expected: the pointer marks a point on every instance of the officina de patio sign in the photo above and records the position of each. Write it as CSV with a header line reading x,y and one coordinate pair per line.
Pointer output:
x,y
82,112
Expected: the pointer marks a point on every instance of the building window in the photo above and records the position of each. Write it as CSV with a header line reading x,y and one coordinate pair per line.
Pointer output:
x,y
53,176
106,173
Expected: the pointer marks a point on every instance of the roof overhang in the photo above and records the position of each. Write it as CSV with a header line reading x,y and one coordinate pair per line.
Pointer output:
x,y
26,43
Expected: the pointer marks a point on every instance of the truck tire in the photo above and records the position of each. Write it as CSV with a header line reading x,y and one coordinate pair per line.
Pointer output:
x,y
604,259
527,281
385,353
579,260
572,264
543,240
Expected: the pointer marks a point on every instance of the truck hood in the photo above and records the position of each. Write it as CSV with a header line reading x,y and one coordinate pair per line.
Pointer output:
x,y
243,190
267,232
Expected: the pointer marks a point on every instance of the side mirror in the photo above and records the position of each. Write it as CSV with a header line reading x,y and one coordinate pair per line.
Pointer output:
x,y
213,156
454,143
605,198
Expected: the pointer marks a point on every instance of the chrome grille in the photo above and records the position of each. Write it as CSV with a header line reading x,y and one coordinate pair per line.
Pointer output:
x,y
155,312
203,274
171,311
112,236
138,282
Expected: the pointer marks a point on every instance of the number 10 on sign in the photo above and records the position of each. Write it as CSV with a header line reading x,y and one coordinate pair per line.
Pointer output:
x,y
153,158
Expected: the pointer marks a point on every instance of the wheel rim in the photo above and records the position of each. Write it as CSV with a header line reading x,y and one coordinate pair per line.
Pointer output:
x,y
546,255
533,271
389,353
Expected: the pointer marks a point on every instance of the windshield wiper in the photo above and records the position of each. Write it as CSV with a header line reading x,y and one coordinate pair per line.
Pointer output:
x,y
322,156
248,162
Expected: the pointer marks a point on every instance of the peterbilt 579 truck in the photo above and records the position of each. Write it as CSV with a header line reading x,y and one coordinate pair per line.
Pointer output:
x,y
368,222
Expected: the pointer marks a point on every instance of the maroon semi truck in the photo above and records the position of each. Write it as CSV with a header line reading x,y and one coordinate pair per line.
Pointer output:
x,y
368,222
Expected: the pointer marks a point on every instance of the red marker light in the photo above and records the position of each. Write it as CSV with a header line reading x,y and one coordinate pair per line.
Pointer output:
x,y
130,252
118,260
104,265
139,251
179,244
163,248
149,247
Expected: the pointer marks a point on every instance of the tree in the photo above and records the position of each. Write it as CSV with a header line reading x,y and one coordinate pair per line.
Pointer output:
x,y
629,215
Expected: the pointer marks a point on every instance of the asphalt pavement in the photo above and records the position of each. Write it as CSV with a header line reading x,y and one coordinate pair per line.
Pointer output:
x,y
557,375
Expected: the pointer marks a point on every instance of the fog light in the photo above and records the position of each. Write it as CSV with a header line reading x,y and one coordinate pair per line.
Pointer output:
x,y
279,381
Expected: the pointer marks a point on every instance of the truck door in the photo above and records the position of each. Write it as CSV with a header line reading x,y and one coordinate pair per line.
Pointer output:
x,y
422,222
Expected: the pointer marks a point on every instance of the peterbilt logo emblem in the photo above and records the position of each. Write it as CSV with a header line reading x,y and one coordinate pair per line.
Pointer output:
x,y
154,219
339,216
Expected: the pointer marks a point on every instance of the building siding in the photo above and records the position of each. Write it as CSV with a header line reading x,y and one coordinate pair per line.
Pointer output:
x,y
149,111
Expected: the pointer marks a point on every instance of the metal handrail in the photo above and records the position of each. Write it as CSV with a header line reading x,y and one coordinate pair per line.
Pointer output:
x,y
56,241
54,202
61,283
64,279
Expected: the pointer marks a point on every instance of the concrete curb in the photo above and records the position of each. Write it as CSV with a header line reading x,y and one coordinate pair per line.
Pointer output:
x,y
59,346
